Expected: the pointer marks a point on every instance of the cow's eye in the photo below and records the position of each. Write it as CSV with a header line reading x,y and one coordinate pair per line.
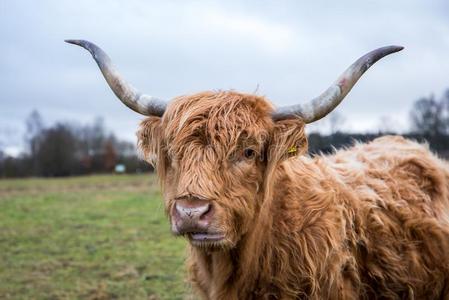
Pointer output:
x,y
249,153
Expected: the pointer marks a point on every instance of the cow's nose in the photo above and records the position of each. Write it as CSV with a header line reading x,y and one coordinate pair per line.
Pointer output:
x,y
188,209
191,214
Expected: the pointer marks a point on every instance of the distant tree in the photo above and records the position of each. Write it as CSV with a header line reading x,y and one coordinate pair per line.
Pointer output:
x,y
57,151
98,136
92,137
34,125
109,156
427,117
91,140
445,114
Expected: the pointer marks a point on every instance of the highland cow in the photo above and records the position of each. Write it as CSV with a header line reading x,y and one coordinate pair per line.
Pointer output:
x,y
266,221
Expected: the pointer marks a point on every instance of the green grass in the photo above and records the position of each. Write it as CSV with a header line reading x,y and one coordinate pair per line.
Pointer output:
x,y
95,237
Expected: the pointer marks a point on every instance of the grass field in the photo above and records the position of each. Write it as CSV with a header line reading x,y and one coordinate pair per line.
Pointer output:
x,y
96,237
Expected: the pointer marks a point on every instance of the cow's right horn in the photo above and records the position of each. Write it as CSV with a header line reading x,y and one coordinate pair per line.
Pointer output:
x,y
143,104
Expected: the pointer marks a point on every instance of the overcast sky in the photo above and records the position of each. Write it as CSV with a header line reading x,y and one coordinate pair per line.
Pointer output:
x,y
290,50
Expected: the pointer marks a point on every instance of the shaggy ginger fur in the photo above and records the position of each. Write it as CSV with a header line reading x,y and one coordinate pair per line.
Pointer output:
x,y
369,222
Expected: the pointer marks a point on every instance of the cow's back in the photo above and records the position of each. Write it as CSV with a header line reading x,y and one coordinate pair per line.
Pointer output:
x,y
399,192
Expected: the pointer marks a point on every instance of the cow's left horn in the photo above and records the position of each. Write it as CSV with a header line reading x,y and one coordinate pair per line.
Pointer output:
x,y
143,104
319,107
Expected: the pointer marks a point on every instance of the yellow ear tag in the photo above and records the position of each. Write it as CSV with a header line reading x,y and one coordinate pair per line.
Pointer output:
x,y
292,150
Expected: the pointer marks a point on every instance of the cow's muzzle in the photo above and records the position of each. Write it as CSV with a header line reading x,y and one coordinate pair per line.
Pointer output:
x,y
192,216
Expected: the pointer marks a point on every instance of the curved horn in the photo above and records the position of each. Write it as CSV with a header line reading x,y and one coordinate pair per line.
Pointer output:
x,y
143,104
319,107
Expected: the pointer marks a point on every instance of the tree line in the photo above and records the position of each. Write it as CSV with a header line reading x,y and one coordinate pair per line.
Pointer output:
x,y
429,122
65,149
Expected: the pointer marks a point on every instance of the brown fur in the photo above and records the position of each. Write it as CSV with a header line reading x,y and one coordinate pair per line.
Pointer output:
x,y
369,222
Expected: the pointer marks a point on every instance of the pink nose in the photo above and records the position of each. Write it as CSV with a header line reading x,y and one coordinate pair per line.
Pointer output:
x,y
191,214
191,210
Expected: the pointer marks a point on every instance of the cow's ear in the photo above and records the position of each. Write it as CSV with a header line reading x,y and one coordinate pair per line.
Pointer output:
x,y
149,139
288,139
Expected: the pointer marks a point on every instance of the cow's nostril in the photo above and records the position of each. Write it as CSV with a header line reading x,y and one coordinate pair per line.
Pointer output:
x,y
207,212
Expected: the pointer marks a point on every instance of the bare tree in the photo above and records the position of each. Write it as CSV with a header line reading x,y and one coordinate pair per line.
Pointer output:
x,y
427,117
56,151
445,114
34,127
109,156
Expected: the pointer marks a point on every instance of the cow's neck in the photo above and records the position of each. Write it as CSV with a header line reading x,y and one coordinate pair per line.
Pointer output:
x,y
244,268
225,273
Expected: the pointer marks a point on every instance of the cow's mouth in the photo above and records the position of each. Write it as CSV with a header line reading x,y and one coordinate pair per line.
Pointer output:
x,y
205,237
